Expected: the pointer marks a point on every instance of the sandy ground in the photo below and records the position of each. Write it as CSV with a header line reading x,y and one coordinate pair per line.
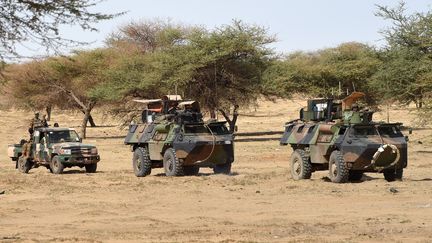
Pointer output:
x,y
258,203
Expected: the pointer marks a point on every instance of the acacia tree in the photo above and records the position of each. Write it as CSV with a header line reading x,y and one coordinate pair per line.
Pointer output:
x,y
63,82
407,58
321,73
28,89
38,22
221,68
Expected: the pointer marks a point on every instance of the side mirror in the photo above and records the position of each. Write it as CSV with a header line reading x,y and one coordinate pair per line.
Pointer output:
x,y
407,138
410,130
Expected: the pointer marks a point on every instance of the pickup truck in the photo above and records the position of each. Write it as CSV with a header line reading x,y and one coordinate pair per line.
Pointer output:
x,y
56,149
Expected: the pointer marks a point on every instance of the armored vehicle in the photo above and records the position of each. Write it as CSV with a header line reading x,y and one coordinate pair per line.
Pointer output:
x,y
54,148
173,135
336,135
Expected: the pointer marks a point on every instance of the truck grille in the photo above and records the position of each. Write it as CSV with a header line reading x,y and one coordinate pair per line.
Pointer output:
x,y
81,151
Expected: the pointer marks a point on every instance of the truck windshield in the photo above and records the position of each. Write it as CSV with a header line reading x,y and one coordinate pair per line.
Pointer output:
x,y
63,136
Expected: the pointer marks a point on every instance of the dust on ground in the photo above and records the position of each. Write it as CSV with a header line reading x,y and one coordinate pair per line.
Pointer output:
x,y
258,203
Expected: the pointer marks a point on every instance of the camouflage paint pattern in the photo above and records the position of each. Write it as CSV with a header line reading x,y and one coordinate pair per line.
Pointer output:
x,y
343,132
41,155
211,145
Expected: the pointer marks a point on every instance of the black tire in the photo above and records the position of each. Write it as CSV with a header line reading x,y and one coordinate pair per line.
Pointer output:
x,y
393,174
91,168
338,169
56,166
171,163
222,169
141,162
191,170
301,167
355,175
24,164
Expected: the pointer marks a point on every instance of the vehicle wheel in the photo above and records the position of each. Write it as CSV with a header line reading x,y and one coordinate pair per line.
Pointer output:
x,y
338,169
393,174
171,163
301,167
91,168
24,164
141,162
222,169
355,175
191,170
56,166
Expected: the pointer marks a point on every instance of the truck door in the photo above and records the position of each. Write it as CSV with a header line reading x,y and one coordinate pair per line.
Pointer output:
x,y
41,148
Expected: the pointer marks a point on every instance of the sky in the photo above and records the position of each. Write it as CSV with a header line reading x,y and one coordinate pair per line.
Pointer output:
x,y
298,25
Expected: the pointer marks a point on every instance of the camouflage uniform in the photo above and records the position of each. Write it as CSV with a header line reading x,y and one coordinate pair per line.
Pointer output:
x,y
34,124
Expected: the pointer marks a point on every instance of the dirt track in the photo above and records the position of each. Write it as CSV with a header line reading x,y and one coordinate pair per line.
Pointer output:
x,y
258,203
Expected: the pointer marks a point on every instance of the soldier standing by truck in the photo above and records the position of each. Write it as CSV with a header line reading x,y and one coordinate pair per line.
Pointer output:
x,y
35,123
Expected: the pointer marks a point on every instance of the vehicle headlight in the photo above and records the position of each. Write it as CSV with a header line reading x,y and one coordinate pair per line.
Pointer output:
x,y
94,151
65,151
227,142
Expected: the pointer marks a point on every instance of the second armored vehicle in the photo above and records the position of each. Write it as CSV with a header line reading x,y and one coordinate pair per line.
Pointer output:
x,y
174,136
336,135
54,148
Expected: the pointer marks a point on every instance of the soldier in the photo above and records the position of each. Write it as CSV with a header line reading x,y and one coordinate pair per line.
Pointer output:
x,y
44,121
355,107
35,123
352,115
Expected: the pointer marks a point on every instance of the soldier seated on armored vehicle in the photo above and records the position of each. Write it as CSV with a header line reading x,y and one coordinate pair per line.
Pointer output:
x,y
177,139
347,145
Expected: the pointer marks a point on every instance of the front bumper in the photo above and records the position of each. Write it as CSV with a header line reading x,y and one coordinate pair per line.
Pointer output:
x,y
78,159
362,159
204,154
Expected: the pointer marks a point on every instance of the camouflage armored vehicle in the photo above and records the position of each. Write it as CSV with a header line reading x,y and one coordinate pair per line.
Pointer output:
x,y
336,135
174,136
55,148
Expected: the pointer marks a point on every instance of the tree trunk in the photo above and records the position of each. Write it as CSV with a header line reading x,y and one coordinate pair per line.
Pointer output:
x,y
48,112
91,121
212,114
85,108
84,122
231,121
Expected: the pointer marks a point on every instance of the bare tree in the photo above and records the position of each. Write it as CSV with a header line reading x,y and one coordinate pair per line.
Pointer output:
x,y
38,22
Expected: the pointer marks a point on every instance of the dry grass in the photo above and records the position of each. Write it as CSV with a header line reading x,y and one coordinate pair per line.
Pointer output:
x,y
258,203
